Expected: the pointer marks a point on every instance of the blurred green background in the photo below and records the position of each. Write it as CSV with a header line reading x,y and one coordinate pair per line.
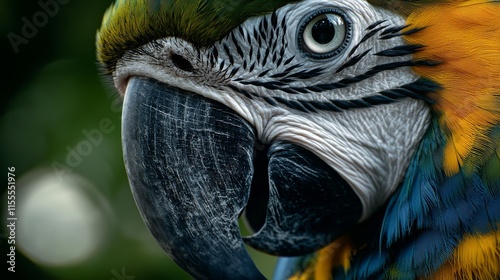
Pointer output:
x,y
60,129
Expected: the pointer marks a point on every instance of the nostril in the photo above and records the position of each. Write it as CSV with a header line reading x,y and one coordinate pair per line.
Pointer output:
x,y
181,63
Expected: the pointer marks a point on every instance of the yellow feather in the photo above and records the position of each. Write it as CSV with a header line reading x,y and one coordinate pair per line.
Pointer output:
x,y
476,257
337,254
464,35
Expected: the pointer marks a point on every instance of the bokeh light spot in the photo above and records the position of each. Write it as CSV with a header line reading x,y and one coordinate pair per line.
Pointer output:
x,y
61,221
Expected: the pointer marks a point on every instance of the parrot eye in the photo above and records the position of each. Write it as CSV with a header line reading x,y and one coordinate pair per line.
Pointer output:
x,y
324,34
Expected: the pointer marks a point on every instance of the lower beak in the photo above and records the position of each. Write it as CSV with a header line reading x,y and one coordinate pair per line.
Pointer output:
x,y
190,163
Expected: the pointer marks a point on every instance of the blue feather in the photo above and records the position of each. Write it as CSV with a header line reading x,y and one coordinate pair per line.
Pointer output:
x,y
428,216
286,267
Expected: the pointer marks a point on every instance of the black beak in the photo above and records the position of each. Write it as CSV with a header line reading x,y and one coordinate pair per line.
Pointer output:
x,y
190,163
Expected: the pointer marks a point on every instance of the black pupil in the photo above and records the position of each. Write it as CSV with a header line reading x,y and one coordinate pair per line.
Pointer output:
x,y
323,31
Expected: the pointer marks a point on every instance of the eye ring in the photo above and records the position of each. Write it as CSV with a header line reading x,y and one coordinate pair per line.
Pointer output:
x,y
325,33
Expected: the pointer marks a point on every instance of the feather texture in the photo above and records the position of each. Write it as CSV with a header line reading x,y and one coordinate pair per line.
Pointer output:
x,y
467,43
444,220
129,24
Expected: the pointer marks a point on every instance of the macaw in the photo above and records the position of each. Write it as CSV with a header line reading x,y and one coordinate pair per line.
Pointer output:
x,y
360,139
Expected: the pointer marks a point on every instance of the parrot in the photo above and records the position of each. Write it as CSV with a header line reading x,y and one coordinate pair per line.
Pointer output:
x,y
355,139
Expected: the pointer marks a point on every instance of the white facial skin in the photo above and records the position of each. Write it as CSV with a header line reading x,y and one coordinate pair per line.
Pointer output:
x,y
369,147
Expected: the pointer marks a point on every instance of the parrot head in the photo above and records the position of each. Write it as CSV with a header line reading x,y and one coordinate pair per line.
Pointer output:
x,y
301,116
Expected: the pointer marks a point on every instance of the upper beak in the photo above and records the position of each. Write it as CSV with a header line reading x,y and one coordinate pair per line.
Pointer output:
x,y
190,163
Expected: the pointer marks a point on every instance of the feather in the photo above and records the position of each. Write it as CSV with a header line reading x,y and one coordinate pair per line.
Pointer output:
x,y
443,221
130,24
466,44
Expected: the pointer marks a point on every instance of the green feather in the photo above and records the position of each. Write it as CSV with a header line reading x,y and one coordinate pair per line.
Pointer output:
x,y
129,24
